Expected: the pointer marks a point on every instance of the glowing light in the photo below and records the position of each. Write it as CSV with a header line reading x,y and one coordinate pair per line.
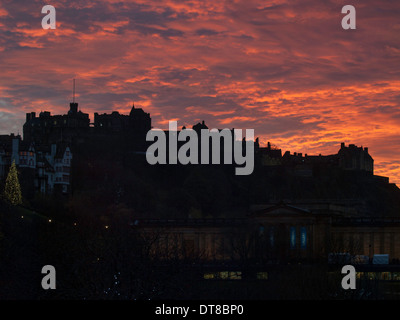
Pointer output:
x,y
292,237
303,237
50,220
106,227
22,217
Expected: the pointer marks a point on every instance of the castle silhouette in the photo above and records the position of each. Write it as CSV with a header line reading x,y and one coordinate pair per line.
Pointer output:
x,y
50,143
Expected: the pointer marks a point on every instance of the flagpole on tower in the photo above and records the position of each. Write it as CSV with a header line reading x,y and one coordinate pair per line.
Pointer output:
x,y
73,95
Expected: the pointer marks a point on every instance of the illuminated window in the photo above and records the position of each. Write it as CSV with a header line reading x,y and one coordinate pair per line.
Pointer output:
x,y
303,237
229,275
386,276
292,237
235,275
224,275
396,276
262,275
272,237
371,275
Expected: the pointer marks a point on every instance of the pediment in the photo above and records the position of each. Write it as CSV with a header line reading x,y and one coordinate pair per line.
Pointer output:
x,y
281,210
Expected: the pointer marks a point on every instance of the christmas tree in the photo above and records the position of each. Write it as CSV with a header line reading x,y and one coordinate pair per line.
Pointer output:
x,y
12,190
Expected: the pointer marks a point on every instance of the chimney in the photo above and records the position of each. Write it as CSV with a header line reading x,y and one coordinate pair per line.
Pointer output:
x,y
342,145
366,149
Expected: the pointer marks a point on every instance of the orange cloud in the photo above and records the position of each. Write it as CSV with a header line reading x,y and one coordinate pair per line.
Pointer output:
x,y
284,68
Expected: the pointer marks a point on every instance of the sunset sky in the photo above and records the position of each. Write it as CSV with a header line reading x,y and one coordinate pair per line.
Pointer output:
x,y
285,68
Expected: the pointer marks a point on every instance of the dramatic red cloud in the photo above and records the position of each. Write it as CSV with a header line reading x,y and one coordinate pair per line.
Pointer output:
x,y
285,68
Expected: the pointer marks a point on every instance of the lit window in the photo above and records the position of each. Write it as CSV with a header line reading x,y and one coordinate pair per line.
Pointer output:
x,y
271,237
230,275
303,237
224,275
262,275
292,237
235,275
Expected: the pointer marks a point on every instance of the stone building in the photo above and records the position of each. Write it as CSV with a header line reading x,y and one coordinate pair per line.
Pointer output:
x,y
43,168
46,128
279,233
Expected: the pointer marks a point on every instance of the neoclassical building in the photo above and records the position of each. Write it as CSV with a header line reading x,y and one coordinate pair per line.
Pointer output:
x,y
279,233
